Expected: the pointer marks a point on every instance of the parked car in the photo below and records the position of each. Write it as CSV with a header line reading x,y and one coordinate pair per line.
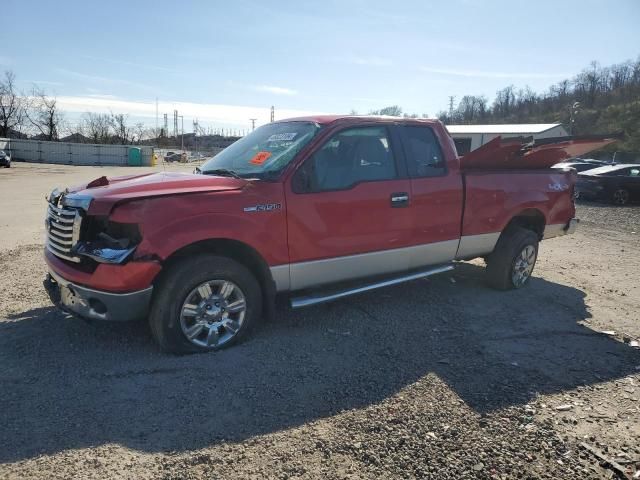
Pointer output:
x,y
314,209
172,157
5,159
618,184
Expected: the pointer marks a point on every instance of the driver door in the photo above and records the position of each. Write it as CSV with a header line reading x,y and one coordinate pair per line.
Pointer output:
x,y
348,212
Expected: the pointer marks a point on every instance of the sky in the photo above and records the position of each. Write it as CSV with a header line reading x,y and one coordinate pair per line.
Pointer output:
x,y
227,62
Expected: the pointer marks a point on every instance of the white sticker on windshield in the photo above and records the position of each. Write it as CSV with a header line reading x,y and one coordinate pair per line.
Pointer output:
x,y
279,137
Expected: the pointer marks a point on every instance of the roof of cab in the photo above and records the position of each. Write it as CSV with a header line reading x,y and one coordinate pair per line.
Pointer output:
x,y
326,119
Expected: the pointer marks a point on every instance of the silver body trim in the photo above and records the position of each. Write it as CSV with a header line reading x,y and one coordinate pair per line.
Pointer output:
x,y
281,277
314,299
472,246
351,267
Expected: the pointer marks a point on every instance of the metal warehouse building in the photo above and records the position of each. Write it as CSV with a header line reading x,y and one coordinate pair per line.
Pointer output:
x,y
470,137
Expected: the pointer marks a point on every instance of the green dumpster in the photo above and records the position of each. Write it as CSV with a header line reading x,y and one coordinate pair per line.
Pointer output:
x,y
135,157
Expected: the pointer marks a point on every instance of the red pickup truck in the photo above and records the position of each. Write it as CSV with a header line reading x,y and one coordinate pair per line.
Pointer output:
x,y
315,208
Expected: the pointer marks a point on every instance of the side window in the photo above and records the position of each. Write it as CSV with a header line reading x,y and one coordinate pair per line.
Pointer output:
x,y
424,155
463,145
346,159
635,172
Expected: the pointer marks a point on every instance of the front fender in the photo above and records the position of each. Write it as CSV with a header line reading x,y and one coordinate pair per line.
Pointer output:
x,y
264,232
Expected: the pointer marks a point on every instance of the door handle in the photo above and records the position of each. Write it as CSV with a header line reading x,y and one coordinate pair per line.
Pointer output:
x,y
400,199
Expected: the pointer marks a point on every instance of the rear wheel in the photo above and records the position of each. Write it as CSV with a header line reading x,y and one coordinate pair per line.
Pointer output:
x,y
204,303
511,264
620,196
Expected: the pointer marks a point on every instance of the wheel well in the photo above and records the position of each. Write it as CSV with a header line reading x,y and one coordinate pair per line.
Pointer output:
x,y
241,253
531,219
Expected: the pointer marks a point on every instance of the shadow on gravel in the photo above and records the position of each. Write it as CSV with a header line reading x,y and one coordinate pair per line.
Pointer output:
x,y
65,384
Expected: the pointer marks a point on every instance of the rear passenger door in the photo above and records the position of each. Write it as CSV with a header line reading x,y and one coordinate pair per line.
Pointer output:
x,y
348,212
436,196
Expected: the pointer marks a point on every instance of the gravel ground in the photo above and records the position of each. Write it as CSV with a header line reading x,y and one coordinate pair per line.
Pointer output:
x,y
439,378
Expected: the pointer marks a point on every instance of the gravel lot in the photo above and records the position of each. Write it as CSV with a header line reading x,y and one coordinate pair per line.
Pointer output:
x,y
439,378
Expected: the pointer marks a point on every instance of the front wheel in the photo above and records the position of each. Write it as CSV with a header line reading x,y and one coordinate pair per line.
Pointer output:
x,y
511,264
620,196
204,303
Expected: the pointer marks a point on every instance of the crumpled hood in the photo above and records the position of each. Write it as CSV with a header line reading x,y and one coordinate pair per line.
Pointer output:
x,y
106,192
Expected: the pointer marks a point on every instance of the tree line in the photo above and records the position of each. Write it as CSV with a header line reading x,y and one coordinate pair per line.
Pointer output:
x,y
596,100
37,115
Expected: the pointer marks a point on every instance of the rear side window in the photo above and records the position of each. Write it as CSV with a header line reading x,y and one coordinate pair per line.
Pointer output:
x,y
424,155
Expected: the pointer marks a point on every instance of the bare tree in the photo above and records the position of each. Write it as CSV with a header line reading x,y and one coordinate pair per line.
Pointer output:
x,y
97,126
393,110
44,115
141,132
122,130
12,105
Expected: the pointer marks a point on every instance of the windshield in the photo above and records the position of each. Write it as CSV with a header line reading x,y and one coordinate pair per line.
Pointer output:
x,y
265,152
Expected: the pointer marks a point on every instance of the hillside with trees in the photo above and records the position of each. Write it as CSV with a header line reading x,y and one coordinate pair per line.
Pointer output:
x,y
597,100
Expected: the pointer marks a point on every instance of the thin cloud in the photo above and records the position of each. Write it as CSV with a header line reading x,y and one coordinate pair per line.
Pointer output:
x,y
486,74
46,82
373,61
214,113
105,80
275,90
130,64
365,61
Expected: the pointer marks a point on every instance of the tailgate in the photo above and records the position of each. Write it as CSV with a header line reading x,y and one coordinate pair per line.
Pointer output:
x,y
512,153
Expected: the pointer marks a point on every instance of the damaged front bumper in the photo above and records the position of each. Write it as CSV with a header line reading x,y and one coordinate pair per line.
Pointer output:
x,y
96,304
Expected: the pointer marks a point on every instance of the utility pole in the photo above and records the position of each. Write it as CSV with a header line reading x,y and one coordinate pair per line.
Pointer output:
x,y
253,123
451,100
182,132
166,126
175,124
195,134
156,131
273,114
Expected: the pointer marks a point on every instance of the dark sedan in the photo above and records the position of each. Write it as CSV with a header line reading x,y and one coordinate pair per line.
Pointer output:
x,y
618,184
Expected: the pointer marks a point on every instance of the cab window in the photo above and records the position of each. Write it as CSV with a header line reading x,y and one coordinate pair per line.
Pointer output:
x,y
423,152
349,157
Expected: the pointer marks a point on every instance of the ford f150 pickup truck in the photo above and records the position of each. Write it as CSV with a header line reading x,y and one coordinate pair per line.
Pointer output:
x,y
313,208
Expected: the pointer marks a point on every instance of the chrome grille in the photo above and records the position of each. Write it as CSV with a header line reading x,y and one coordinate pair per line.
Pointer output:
x,y
63,231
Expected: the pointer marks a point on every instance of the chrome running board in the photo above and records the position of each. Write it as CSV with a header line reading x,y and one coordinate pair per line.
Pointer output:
x,y
320,297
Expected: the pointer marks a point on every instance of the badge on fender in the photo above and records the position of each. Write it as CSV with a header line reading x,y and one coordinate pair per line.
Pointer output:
x,y
265,207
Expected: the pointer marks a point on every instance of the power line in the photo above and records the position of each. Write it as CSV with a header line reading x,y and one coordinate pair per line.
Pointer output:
x,y
253,123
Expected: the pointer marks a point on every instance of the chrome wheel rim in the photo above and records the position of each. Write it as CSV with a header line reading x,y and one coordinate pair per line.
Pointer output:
x,y
523,265
620,197
213,313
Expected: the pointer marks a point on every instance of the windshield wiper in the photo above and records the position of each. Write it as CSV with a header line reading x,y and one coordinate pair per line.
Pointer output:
x,y
223,172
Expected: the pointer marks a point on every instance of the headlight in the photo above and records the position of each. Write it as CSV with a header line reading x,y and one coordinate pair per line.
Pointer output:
x,y
77,201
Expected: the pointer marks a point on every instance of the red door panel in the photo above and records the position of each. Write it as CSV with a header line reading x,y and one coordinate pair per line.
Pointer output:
x,y
347,222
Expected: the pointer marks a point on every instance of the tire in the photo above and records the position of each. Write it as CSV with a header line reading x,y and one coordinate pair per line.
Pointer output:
x,y
512,262
182,304
620,196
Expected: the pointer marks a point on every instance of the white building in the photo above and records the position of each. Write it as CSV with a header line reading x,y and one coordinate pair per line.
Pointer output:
x,y
470,137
